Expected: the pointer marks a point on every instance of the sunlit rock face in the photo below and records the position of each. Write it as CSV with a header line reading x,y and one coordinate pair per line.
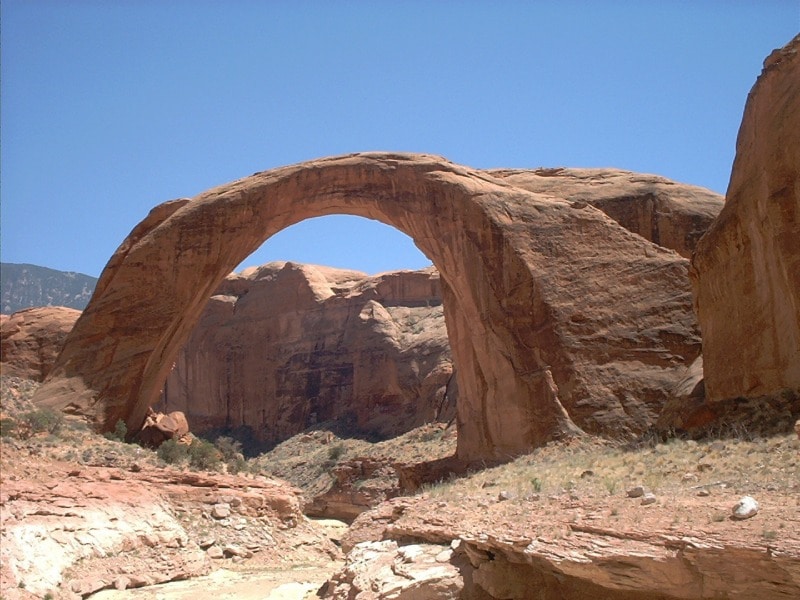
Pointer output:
x,y
746,271
285,346
31,339
558,318
671,214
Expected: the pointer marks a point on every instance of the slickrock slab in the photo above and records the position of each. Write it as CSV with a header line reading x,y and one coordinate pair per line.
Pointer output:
x,y
73,531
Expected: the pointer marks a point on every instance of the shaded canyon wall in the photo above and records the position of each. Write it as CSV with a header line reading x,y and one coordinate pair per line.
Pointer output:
x,y
284,347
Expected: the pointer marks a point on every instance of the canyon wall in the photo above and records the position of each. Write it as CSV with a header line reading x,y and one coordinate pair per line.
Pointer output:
x,y
746,270
283,347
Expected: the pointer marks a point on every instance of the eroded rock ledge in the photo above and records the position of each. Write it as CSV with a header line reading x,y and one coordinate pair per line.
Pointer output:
x,y
561,547
119,522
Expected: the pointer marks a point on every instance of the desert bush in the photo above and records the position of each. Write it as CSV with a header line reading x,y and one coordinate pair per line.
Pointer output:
x,y
8,428
171,452
228,447
203,455
44,419
336,451
200,454
231,454
119,433
431,435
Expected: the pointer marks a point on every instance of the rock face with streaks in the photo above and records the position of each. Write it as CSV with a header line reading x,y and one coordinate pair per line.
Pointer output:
x,y
31,339
559,319
284,347
670,214
746,270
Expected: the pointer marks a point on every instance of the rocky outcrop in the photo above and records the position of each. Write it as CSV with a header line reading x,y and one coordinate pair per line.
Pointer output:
x,y
558,318
670,214
69,530
569,546
358,484
160,427
31,339
383,571
285,347
746,270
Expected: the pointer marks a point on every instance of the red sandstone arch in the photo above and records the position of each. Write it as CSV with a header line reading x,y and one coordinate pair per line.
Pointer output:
x,y
530,282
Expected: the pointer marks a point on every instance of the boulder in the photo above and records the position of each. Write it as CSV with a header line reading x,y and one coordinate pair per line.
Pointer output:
x,y
31,339
746,269
744,509
160,427
559,319
384,570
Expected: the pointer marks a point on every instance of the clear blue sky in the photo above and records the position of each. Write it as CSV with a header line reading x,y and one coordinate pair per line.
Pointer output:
x,y
110,107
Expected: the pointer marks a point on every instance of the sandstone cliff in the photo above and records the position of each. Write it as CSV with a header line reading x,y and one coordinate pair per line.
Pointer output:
x,y
746,270
285,346
670,214
31,339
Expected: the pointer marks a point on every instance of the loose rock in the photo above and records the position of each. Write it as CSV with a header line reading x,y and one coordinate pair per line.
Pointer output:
x,y
648,498
744,509
636,492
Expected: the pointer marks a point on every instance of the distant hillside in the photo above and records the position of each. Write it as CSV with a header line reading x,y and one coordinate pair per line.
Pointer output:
x,y
24,286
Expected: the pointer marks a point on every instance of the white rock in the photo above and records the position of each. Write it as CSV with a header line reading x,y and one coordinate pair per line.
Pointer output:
x,y
233,550
410,553
444,556
649,498
744,509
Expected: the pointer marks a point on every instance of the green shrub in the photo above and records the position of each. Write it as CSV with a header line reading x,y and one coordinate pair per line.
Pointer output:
x,y
203,455
229,448
171,452
236,465
8,427
120,432
44,419
231,454
431,435
336,451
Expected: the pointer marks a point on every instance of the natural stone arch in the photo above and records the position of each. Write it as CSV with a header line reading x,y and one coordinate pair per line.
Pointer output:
x,y
528,279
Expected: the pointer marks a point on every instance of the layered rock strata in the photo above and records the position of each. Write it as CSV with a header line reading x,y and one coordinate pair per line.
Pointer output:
x,y
565,546
70,530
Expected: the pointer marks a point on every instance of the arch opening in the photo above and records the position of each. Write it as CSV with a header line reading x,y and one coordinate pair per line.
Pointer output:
x,y
295,345
341,241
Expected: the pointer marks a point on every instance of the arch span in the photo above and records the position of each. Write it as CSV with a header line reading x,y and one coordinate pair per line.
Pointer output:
x,y
526,284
